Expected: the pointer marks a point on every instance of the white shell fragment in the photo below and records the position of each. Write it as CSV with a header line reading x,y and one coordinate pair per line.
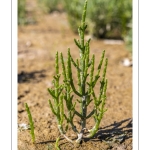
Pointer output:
x,y
126,62
23,126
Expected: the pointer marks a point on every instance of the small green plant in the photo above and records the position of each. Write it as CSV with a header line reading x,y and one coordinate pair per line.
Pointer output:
x,y
63,93
56,144
31,122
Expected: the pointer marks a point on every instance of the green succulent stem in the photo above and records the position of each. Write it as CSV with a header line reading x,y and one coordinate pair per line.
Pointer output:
x,y
56,143
31,122
99,116
86,80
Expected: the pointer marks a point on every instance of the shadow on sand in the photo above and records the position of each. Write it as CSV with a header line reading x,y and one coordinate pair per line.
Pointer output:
x,y
34,76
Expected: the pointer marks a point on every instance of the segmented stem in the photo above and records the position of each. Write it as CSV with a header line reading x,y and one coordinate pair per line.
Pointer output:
x,y
86,82
31,122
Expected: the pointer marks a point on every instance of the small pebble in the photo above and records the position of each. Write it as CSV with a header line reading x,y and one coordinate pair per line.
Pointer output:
x,y
126,62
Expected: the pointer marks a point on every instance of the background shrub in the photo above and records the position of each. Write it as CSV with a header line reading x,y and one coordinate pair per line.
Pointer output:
x,y
21,11
26,15
107,18
128,39
49,6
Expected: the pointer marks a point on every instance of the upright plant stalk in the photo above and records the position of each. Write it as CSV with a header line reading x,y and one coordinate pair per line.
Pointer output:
x,y
86,83
56,144
82,47
57,108
31,122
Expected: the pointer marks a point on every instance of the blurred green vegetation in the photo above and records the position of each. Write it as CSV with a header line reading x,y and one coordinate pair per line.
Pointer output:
x,y
21,12
25,16
49,6
128,39
105,18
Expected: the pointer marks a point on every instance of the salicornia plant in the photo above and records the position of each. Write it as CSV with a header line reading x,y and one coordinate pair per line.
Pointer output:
x,y
86,82
31,122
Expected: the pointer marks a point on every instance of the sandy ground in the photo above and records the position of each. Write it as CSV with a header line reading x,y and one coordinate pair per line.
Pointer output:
x,y
37,45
